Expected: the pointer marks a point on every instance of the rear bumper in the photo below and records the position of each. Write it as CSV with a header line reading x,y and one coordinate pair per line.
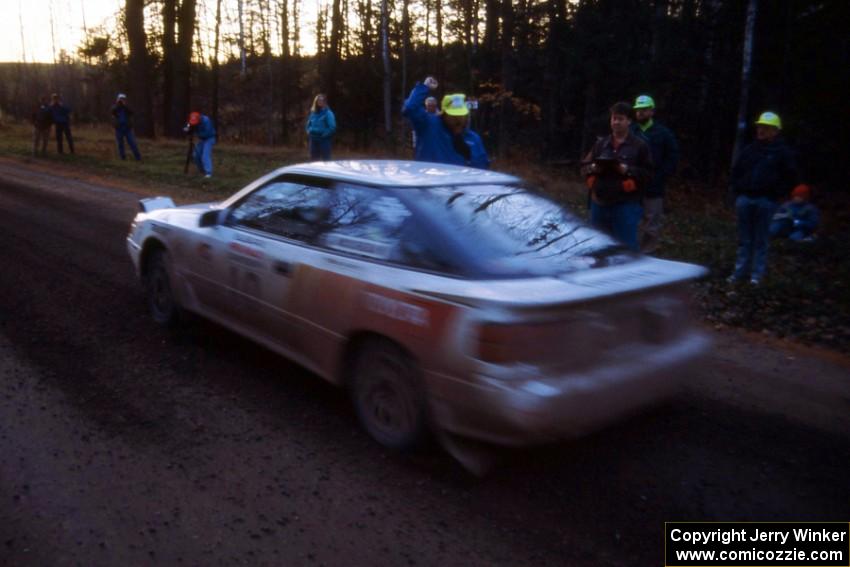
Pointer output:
x,y
520,406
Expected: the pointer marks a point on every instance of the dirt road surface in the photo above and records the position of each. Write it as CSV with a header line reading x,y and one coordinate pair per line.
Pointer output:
x,y
122,443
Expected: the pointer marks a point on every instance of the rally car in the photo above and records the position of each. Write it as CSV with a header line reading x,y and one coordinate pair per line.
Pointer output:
x,y
446,299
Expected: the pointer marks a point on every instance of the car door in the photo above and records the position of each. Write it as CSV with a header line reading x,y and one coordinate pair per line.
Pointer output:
x,y
264,238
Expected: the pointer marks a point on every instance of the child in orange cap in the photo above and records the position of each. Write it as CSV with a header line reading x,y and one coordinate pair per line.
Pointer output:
x,y
798,218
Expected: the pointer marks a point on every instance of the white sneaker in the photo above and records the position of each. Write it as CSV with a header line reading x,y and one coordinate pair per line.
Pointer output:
x,y
207,176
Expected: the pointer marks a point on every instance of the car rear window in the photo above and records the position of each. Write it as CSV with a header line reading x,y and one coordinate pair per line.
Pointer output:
x,y
513,231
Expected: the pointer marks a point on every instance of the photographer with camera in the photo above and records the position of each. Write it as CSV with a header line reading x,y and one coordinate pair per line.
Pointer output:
x,y
444,137
201,125
617,173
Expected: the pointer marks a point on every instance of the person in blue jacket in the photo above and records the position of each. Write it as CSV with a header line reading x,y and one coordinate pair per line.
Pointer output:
x,y
61,115
798,218
122,120
202,126
321,126
444,137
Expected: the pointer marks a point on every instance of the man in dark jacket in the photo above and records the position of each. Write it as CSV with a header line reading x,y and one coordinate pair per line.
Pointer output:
x,y
122,120
764,173
665,156
444,137
41,121
617,172
61,115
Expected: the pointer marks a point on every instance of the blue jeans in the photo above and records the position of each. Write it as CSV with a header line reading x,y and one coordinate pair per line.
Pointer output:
x,y
120,134
320,149
203,155
620,221
754,216
64,128
784,228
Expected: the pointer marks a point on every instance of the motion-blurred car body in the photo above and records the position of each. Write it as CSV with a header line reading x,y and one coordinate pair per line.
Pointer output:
x,y
444,298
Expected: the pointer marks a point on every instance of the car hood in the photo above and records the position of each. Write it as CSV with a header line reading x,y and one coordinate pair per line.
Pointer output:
x,y
186,215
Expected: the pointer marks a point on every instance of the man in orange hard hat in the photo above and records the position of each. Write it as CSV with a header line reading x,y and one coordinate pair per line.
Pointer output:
x,y
202,126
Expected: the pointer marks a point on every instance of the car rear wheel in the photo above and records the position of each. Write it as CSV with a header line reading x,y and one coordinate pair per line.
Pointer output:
x,y
161,302
388,396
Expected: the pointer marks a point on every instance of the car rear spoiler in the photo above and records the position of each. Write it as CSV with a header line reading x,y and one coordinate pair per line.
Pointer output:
x,y
154,203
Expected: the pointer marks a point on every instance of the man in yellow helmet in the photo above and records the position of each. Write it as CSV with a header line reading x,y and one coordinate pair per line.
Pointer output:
x,y
665,156
445,136
763,173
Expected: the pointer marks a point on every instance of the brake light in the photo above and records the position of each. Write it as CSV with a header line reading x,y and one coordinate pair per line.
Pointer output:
x,y
501,343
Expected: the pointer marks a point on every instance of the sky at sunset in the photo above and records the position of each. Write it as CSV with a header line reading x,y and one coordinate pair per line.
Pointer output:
x,y
26,33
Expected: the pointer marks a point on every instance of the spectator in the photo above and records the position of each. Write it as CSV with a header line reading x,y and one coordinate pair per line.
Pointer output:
x,y
764,172
430,108
444,137
431,105
665,156
42,118
798,218
202,126
618,172
122,120
321,126
61,116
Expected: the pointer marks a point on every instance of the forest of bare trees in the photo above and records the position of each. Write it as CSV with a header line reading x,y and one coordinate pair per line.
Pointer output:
x,y
544,71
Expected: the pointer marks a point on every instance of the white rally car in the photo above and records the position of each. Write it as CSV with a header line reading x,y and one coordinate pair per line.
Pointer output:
x,y
446,299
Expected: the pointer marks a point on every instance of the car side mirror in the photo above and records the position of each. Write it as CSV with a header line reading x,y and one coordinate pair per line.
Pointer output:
x,y
211,218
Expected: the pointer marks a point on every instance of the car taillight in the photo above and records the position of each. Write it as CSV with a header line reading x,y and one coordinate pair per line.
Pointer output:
x,y
501,343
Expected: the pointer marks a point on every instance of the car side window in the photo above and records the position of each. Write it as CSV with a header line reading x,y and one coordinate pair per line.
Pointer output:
x,y
374,224
284,208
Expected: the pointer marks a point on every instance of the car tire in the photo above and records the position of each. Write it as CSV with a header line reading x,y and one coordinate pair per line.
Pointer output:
x,y
160,295
388,396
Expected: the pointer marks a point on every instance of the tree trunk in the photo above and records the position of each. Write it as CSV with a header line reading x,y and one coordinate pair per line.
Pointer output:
x,y
216,68
385,56
553,75
405,48
182,67
296,29
746,67
241,39
441,64
405,45
284,72
169,16
334,51
508,75
139,69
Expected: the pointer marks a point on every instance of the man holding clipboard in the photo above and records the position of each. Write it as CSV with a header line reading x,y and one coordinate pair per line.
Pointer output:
x,y
619,168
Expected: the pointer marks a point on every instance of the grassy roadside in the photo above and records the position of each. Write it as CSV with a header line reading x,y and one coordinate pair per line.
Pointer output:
x,y
805,298
162,162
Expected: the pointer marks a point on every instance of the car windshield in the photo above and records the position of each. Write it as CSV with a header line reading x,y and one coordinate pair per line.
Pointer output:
x,y
512,231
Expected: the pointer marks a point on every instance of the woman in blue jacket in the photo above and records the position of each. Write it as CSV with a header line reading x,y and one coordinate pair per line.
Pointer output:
x,y
321,126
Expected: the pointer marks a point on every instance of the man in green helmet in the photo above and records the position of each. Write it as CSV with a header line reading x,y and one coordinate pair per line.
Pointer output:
x,y
665,156
763,173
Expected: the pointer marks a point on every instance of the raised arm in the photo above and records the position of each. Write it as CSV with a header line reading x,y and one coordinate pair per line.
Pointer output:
x,y
414,106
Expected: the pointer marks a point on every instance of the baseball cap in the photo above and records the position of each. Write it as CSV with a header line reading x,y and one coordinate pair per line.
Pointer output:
x,y
455,105
644,101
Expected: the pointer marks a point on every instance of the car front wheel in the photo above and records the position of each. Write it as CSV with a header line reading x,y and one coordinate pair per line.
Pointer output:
x,y
388,396
161,302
